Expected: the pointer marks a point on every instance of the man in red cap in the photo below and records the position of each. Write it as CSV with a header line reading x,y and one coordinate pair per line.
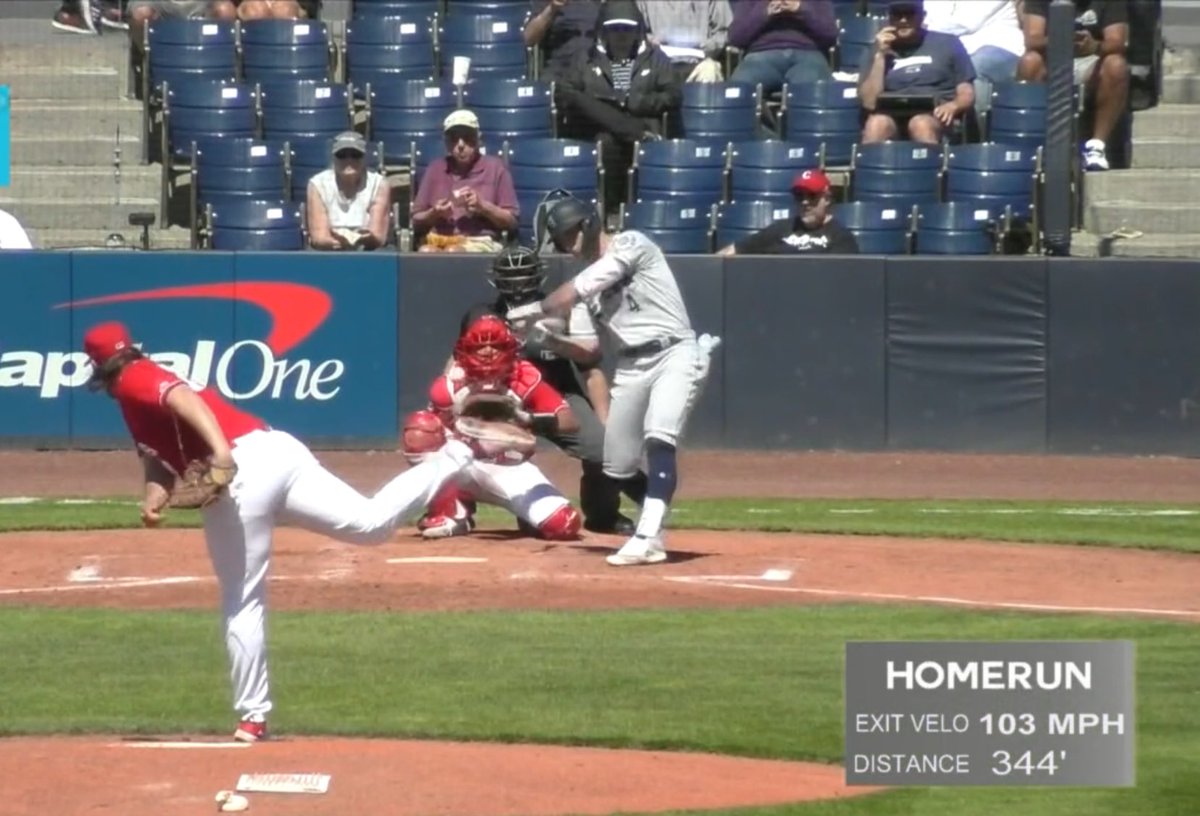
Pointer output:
x,y
811,228
174,422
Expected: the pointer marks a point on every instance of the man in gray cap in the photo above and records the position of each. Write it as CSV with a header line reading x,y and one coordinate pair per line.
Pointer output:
x,y
349,206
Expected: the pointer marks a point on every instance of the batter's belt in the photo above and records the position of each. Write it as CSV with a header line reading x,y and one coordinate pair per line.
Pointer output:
x,y
652,347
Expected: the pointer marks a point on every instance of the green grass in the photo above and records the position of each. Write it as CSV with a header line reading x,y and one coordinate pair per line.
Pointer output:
x,y
759,682
1149,526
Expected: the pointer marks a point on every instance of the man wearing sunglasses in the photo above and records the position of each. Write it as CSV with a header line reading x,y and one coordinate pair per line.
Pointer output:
x,y
811,229
348,205
910,61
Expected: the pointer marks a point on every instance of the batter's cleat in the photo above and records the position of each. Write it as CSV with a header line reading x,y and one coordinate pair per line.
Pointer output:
x,y
250,731
621,525
639,550
445,527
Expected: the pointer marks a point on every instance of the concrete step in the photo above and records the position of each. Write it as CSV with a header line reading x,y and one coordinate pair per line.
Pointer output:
x,y
82,212
1147,245
59,150
1180,89
1175,218
66,84
1178,185
1165,152
1167,122
173,238
66,183
43,117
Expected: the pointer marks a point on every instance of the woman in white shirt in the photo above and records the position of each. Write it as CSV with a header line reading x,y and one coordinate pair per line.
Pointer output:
x,y
348,206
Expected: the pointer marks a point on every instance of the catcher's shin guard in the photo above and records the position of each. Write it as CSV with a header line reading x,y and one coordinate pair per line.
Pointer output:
x,y
562,525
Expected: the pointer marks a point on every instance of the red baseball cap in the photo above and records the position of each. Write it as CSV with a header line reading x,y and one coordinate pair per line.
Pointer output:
x,y
104,340
812,182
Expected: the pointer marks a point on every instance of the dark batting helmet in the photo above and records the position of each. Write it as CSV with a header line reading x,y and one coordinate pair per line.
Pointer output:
x,y
567,217
517,274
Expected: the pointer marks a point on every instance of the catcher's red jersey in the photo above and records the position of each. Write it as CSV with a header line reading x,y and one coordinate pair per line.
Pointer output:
x,y
141,391
526,389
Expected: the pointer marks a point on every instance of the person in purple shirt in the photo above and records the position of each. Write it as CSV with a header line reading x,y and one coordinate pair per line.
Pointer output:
x,y
784,41
466,193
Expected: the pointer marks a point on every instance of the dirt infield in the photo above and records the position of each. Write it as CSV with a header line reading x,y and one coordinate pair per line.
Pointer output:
x,y
498,569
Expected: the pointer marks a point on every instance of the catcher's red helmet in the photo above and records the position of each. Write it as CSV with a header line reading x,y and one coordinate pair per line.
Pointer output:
x,y
487,351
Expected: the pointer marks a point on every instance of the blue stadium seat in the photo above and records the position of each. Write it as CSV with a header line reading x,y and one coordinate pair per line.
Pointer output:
x,y
255,225
880,228
494,44
310,156
856,39
395,8
957,228
899,173
994,175
1018,114
406,111
826,111
223,169
511,108
383,50
286,49
685,169
725,111
304,109
512,9
177,50
675,227
541,165
759,169
738,220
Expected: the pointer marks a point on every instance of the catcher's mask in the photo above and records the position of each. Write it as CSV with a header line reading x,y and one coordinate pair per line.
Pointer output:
x,y
487,351
109,348
566,219
517,275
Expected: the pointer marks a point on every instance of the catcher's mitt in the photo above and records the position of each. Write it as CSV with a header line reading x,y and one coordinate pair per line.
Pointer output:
x,y
500,442
490,407
201,484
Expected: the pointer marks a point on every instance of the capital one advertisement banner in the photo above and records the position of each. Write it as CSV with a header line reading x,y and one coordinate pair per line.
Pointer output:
x,y
307,342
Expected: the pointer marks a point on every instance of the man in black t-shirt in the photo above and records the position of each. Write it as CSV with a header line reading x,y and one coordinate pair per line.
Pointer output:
x,y
811,229
518,277
1101,33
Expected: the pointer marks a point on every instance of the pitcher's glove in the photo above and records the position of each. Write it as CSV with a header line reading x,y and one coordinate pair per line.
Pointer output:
x,y
502,443
201,484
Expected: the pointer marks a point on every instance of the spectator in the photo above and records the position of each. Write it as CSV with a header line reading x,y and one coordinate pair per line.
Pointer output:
x,y
785,41
991,33
141,12
618,91
690,33
910,60
467,200
564,29
811,229
12,234
87,16
348,205
270,9
1101,31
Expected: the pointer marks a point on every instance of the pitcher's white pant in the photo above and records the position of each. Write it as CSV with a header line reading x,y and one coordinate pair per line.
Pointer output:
x,y
279,480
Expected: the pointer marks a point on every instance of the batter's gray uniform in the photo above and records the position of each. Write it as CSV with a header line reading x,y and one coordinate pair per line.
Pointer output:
x,y
632,296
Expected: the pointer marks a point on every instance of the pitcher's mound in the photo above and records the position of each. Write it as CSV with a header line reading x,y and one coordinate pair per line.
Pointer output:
x,y
143,777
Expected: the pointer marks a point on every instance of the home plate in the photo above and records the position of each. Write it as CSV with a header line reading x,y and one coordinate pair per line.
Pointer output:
x,y
438,559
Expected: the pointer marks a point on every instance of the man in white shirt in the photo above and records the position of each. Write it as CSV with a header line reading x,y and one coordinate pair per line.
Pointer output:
x,y
990,30
12,234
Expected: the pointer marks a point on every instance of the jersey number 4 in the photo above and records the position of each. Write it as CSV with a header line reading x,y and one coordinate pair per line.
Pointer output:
x,y
631,302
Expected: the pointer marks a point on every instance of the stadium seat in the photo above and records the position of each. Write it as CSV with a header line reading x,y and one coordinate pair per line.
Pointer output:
x,y
766,168
541,165
292,110
684,169
1018,114
738,220
900,173
383,50
829,112
395,8
286,49
309,156
724,111
880,228
224,169
994,175
513,9
511,108
675,227
176,50
856,39
406,111
958,228
255,225
493,43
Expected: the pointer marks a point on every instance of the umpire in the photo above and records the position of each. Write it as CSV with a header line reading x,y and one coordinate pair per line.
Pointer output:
x,y
518,277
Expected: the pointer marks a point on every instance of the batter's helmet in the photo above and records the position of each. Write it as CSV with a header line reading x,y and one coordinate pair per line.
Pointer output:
x,y
487,351
569,215
517,274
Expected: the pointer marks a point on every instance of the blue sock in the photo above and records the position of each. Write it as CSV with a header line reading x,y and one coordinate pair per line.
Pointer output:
x,y
660,487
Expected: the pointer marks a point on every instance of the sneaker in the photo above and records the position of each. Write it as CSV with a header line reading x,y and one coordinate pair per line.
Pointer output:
x,y
1093,155
250,731
639,550
445,527
111,17
71,22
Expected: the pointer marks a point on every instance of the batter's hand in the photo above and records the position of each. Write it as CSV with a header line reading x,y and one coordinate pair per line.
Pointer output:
x,y
522,316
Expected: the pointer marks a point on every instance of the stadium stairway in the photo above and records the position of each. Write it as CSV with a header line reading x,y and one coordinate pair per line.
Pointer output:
x,y
76,149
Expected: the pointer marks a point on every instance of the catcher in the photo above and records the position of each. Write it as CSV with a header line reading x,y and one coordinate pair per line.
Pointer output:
x,y
198,450
488,381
